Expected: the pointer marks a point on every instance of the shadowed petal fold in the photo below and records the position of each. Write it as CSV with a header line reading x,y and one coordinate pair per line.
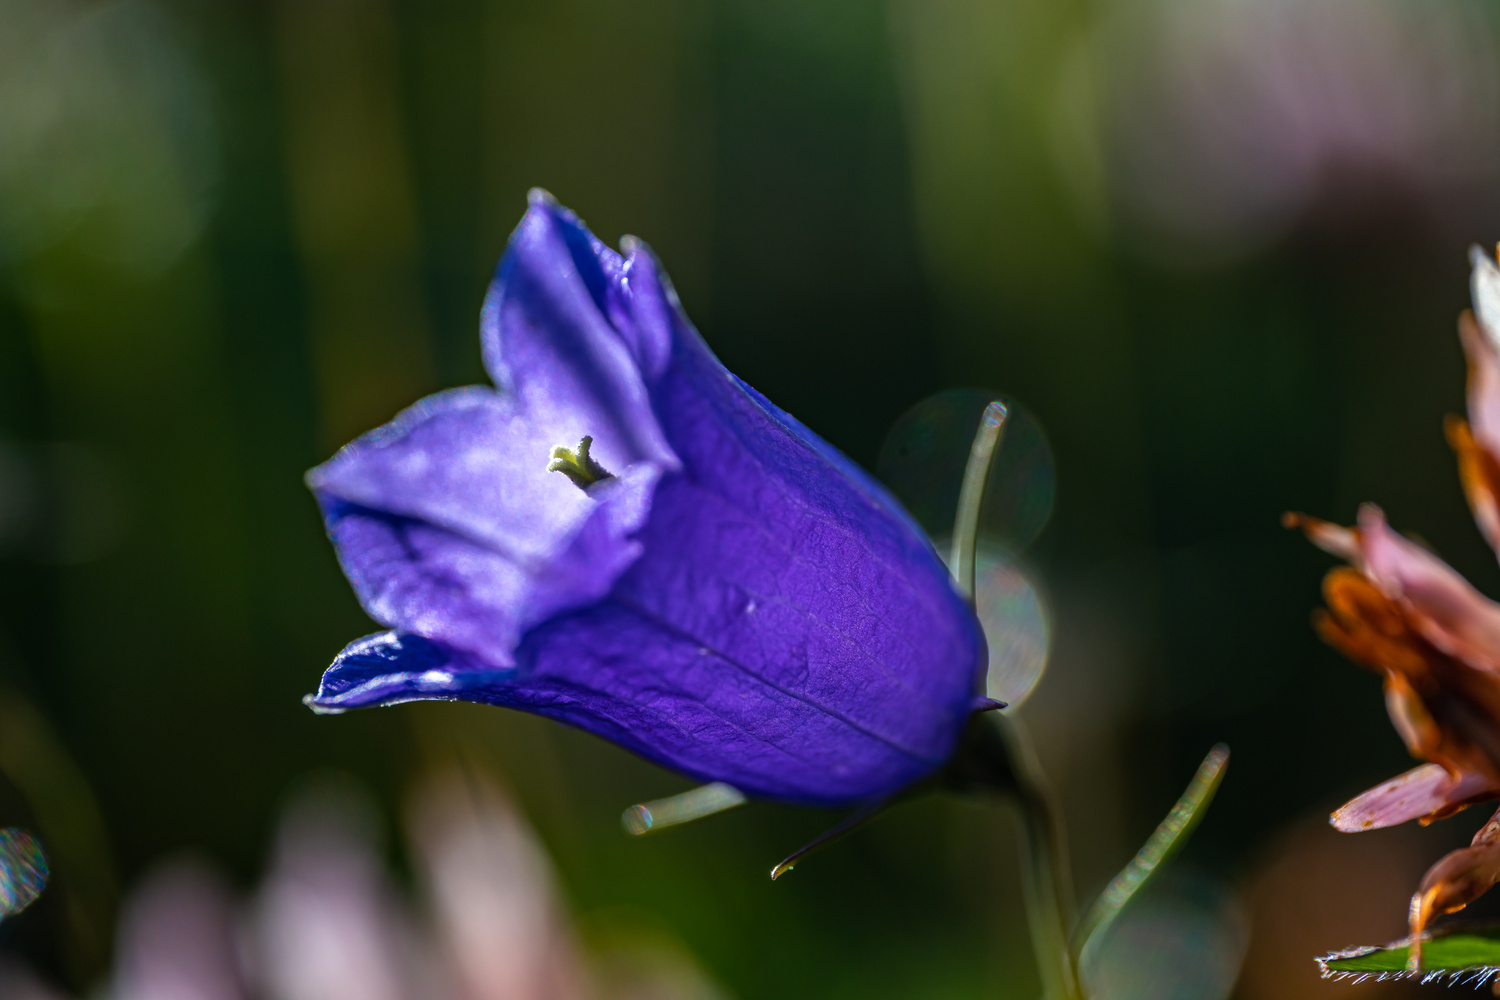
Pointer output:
x,y
449,526
1459,878
1450,613
558,334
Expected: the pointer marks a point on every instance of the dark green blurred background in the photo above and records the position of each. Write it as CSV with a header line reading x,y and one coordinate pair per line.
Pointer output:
x,y
1217,249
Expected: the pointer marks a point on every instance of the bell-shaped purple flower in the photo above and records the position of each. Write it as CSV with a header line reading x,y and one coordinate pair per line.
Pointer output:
x,y
625,537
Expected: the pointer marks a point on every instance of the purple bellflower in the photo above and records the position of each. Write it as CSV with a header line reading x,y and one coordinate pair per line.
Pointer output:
x,y
625,537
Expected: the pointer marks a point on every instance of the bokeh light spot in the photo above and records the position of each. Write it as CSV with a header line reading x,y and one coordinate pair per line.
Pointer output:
x,y
23,870
1183,939
1015,626
922,461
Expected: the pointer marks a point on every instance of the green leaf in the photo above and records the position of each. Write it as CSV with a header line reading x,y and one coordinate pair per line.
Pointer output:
x,y
1471,953
1169,837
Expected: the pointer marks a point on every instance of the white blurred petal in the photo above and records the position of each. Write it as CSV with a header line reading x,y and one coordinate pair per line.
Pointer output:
x,y
1226,119
1485,290
176,938
327,925
491,891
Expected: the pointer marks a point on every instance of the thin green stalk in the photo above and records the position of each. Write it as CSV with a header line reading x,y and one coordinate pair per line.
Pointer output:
x,y
971,497
1047,883
1047,879
1165,841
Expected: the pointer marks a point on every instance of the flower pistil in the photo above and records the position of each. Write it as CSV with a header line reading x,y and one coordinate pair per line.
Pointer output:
x,y
578,465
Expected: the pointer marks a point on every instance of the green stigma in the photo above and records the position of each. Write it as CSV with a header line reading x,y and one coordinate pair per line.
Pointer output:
x,y
578,465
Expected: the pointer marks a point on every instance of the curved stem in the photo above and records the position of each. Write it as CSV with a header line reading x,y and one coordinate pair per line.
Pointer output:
x,y
971,497
1168,838
1012,765
840,830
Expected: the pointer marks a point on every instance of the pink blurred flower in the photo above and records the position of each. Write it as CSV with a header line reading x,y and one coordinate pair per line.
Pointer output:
x,y
177,938
328,923
500,930
1225,121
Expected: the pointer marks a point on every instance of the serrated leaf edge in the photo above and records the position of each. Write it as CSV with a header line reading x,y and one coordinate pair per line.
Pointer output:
x,y
1477,975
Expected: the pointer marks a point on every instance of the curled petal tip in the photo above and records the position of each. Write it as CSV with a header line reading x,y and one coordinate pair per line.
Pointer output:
x,y
311,701
1456,431
1332,538
541,198
1458,879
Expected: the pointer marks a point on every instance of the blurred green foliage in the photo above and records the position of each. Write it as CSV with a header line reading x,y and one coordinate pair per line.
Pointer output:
x,y
232,235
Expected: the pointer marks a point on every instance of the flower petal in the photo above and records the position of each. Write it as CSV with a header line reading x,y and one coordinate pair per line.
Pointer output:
x,y
548,329
685,666
178,937
1335,539
326,921
391,668
491,893
449,525
1451,614
658,687
467,460
1443,708
1484,291
1428,791
1478,442
1479,471
1458,879
639,683
797,569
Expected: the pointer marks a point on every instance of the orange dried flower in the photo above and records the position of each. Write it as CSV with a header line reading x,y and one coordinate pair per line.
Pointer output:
x,y
1434,639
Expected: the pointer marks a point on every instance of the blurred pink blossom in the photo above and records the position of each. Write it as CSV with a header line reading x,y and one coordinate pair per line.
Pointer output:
x,y
1228,119
328,922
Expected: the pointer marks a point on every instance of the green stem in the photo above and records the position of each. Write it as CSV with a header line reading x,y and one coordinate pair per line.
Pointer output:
x,y
1009,763
1168,838
1046,876
971,497
995,757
